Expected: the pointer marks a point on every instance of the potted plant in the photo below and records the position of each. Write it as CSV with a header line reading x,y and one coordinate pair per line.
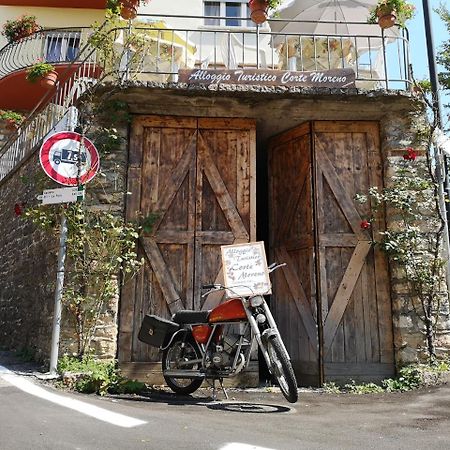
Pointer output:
x,y
11,119
20,28
126,8
390,12
43,72
259,9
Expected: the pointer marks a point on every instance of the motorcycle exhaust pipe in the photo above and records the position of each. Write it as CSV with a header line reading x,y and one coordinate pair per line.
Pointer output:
x,y
184,374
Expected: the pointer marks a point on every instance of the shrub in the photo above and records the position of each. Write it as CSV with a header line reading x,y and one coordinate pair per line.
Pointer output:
x,y
90,376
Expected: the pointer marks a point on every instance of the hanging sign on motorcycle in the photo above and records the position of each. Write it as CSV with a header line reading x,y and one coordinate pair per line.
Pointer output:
x,y
69,158
245,269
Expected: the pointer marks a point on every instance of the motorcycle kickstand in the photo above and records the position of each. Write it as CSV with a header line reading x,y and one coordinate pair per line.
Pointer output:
x,y
222,386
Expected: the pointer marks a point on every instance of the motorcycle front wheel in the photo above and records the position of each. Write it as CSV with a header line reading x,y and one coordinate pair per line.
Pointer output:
x,y
282,369
177,357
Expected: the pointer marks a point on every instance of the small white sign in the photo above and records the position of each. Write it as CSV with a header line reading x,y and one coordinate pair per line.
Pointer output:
x,y
245,269
62,195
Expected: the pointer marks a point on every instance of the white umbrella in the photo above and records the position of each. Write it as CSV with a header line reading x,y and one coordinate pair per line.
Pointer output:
x,y
321,34
319,11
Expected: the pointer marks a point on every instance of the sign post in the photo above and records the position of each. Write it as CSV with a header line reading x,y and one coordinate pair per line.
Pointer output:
x,y
71,160
58,296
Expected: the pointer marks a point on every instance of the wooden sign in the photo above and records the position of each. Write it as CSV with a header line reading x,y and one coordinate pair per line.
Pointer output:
x,y
245,269
337,78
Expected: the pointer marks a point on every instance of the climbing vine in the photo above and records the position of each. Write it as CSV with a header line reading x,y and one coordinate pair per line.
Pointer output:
x,y
414,239
101,251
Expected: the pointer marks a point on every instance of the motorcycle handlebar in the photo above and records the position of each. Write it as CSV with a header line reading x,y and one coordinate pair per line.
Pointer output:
x,y
211,286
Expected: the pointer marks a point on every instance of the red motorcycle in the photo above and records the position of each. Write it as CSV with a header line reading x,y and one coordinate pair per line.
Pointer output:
x,y
216,344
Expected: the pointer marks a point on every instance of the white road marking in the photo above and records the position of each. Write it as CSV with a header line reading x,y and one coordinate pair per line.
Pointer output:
x,y
85,408
240,446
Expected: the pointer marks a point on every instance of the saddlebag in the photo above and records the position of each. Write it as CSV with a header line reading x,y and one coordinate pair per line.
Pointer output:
x,y
154,330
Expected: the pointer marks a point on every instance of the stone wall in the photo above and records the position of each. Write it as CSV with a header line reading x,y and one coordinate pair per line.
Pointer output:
x,y
27,267
409,335
29,260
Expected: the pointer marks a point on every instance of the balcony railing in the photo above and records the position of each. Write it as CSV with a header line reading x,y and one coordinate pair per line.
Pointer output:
x,y
153,51
55,46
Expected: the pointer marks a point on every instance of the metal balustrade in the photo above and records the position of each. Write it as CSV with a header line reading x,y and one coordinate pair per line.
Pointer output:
x,y
55,46
154,51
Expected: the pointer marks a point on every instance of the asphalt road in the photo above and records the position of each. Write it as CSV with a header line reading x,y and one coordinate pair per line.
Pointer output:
x,y
34,415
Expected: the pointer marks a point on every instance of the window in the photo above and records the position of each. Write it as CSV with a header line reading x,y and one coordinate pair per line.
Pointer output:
x,y
232,10
62,48
212,9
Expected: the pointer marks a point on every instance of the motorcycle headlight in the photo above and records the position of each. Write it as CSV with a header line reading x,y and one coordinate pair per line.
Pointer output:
x,y
256,301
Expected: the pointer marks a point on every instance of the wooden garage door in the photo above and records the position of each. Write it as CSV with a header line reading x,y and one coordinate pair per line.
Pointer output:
x,y
332,300
292,242
195,179
354,291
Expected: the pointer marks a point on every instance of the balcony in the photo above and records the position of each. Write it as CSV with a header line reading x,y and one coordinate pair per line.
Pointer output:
x,y
60,47
154,51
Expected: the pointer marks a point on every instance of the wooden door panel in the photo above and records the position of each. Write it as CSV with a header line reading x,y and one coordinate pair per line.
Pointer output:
x,y
198,186
226,194
291,241
162,182
353,307
353,289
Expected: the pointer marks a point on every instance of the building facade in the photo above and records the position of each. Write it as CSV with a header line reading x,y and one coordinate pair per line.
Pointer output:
x,y
221,162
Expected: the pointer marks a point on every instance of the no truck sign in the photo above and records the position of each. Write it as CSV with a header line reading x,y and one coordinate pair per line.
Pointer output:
x,y
69,158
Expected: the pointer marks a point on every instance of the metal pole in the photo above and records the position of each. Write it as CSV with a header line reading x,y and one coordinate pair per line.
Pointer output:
x,y
257,45
440,159
432,61
58,296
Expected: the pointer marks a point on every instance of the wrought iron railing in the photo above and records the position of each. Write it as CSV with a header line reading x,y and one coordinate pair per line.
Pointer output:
x,y
155,51
61,45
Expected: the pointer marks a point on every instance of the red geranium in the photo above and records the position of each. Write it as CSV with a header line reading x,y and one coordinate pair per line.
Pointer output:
x,y
410,154
364,224
18,209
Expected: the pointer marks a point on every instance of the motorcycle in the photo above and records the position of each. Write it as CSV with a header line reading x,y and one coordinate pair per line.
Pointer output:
x,y
217,344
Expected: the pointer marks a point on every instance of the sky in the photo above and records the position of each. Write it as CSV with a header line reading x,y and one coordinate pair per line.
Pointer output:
x,y
418,46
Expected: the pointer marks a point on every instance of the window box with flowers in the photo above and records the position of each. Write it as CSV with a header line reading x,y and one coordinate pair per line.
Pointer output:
x,y
11,119
387,13
42,72
24,26
259,9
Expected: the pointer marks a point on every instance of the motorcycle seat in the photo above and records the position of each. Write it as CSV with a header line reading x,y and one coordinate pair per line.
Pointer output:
x,y
190,317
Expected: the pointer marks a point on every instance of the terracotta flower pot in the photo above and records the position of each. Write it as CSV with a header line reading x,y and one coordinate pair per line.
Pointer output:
x,y
386,17
49,79
134,3
8,125
258,10
128,12
11,125
128,9
23,34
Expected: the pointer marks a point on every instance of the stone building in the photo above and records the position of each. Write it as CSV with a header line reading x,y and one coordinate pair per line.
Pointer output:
x,y
224,146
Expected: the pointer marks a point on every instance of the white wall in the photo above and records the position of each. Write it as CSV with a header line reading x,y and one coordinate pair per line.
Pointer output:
x,y
51,17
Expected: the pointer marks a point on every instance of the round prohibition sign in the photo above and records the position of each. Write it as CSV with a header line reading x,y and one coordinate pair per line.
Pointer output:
x,y
69,158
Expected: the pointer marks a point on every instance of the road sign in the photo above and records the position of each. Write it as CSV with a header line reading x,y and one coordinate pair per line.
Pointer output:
x,y
69,158
61,195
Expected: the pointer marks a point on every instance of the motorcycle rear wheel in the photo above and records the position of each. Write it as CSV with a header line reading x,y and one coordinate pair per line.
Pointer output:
x,y
181,350
282,369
